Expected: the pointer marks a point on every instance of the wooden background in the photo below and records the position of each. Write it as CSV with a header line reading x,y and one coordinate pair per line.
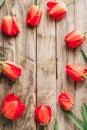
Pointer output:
x,y
43,55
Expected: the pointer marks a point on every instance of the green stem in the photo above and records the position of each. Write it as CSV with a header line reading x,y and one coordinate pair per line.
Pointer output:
x,y
2,59
77,111
84,33
70,2
2,122
44,127
83,54
6,2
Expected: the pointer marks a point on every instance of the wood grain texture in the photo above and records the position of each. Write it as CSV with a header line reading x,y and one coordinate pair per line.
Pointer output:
x,y
73,20
43,55
46,63
22,49
64,56
26,84
81,24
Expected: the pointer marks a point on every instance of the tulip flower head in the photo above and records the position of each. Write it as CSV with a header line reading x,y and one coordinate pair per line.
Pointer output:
x,y
76,73
65,101
43,114
33,16
10,26
56,9
12,107
11,70
74,39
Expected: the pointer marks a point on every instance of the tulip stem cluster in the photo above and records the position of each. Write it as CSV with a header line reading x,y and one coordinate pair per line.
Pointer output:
x,y
6,2
70,2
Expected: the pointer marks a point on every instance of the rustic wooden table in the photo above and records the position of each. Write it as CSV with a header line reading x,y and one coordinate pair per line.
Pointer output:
x,y
43,55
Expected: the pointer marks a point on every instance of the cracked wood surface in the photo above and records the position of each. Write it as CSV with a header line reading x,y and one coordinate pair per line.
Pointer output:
x,y
43,55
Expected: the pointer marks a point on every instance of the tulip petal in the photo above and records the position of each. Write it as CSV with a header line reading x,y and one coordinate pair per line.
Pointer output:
x,y
10,109
75,76
58,9
31,13
85,71
19,111
74,39
33,16
73,34
35,20
11,70
9,25
16,28
65,101
51,4
75,68
6,25
59,17
43,114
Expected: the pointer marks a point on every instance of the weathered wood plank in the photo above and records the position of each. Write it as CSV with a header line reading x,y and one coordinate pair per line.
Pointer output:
x,y
46,64
26,85
81,24
64,56
22,49
1,54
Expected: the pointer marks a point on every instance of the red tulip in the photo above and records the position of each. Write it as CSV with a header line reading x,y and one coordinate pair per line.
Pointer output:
x,y
43,114
74,39
65,101
10,26
34,15
56,9
76,73
11,70
12,107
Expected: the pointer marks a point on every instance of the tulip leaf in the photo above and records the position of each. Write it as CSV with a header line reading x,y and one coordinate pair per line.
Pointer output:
x,y
77,122
84,113
2,59
84,55
56,126
1,2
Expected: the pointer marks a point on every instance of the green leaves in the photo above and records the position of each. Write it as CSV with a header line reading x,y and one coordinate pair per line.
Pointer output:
x,y
1,2
2,59
84,114
84,55
82,125
56,126
78,123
